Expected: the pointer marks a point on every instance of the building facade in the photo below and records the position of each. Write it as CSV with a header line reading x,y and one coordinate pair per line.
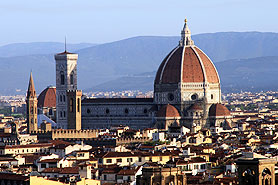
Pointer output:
x,y
186,93
186,80
106,112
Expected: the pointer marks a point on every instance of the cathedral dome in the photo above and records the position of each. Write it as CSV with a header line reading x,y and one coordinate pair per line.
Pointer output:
x,y
47,98
186,63
195,107
168,111
218,110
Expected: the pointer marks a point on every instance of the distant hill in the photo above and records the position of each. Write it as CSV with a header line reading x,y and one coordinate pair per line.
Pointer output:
x,y
252,74
34,48
103,63
143,81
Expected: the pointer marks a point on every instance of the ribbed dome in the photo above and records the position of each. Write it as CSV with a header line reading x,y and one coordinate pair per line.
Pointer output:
x,y
218,110
186,63
168,111
195,107
47,98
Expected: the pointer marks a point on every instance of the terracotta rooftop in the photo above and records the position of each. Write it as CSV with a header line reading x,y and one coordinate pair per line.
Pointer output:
x,y
197,160
65,53
47,98
186,64
50,160
38,145
195,107
67,170
11,176
128,171
168,111
218,110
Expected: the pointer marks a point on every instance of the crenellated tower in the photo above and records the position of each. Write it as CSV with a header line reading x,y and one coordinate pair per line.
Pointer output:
x,y
31,102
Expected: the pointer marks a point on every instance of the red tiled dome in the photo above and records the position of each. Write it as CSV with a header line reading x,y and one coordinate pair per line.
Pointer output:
x,y
47,98
168,111
195,107
218,110
186,64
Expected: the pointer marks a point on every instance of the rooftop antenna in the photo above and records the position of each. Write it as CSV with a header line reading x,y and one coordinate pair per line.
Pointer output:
x,y
65,44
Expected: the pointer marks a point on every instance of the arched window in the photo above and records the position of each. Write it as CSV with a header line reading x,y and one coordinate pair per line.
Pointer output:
x,y
248,176
64,113
64,98
78,104
71,78
71,105
62,76
61,98
145,111
61,114
211,96
31,110
266,177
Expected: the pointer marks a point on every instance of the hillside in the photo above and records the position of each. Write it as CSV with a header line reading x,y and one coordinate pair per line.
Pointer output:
x,y
252,74
102,63
35,48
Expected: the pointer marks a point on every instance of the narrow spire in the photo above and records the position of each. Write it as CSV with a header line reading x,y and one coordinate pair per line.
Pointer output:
x,y
186,36
65,44
31,88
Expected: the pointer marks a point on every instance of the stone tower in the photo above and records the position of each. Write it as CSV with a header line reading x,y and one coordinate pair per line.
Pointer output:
x,y
256,171
74,109
31,102
66,79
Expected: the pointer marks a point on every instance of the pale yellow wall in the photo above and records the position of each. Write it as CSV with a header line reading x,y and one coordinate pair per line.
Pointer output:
x,y
124,160
41,181
135,159
29,150
160,159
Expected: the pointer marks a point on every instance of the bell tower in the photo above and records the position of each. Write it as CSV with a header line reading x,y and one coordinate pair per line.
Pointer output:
x,y
31,102
66,80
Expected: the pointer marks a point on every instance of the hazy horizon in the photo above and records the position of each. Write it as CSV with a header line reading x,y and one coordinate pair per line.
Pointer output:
x,y
62,41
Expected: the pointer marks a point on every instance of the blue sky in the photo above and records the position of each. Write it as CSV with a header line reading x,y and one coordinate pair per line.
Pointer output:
x,y
100,21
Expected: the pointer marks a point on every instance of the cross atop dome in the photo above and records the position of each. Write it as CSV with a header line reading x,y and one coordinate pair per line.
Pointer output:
x,y
186,36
